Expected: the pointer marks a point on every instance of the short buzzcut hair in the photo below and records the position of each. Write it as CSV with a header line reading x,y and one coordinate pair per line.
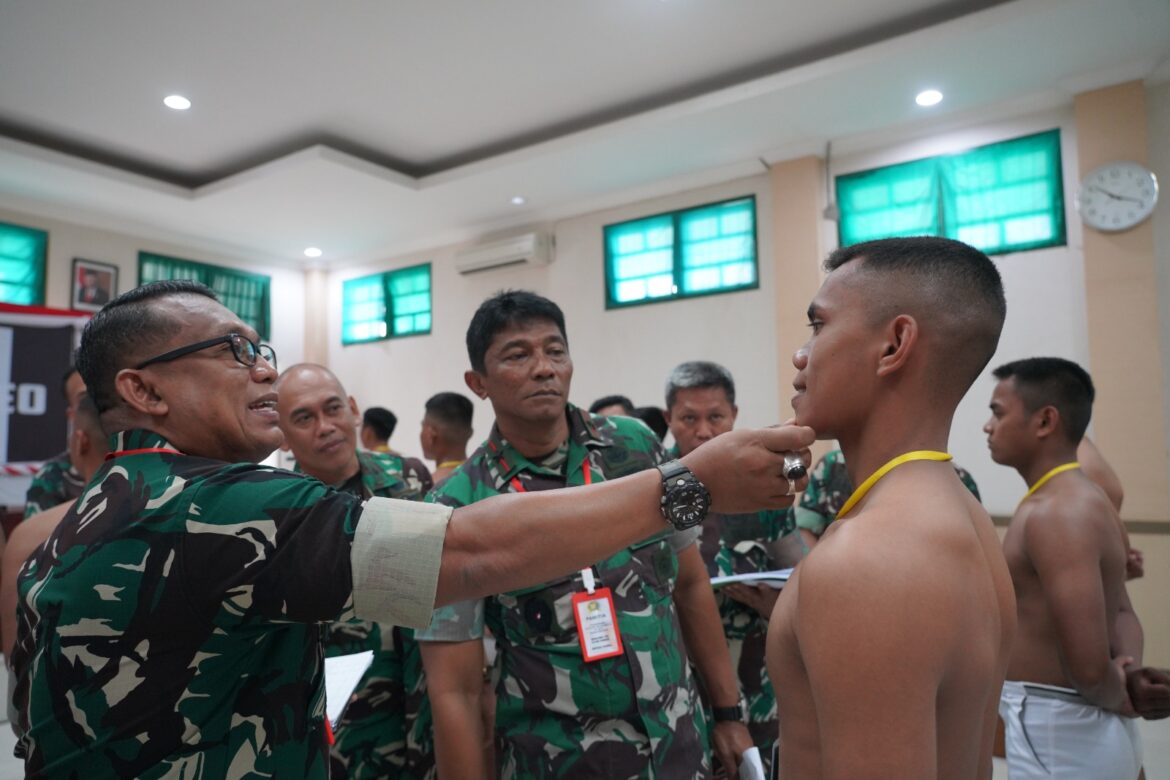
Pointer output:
x,y
381,421
698,373
954,286
451,411
613,400
1056,382
123,330
503,310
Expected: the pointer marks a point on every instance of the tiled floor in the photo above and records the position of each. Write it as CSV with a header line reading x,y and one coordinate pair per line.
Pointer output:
x,y
1155,740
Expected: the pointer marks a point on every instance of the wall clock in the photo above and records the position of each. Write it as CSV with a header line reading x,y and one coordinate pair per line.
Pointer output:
x,y
1117,196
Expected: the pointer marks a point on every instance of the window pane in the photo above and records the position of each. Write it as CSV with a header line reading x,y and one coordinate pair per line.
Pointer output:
x,y
409,302
1007,196
718,237
899,200
22,265
682,253
363,310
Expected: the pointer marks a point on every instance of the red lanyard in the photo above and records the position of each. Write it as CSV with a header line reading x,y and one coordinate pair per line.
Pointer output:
x,y
161,450
586,474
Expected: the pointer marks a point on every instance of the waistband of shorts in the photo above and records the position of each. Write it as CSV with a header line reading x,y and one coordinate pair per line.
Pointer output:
x,y
1045,691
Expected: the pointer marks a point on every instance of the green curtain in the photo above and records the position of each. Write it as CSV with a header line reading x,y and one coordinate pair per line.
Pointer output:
x,y
22,265
408,293
1003,197
248,295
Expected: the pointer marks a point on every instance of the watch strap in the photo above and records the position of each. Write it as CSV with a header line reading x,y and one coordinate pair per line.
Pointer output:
x,y
728,714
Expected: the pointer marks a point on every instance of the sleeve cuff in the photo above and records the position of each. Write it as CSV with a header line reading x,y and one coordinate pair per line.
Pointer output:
x,y
395,557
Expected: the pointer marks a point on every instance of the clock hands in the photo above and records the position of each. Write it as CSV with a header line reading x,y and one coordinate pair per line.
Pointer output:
x,y
1114,195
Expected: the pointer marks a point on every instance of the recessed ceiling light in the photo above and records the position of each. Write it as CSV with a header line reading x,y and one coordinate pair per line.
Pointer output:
x,y
177,102
519,200
929,97
313,252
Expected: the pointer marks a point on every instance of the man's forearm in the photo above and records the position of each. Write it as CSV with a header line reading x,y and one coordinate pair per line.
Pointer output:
x,y
1130,637
508,542
702,631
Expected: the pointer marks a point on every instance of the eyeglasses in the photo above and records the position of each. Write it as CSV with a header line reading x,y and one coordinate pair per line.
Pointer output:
x,y
243,349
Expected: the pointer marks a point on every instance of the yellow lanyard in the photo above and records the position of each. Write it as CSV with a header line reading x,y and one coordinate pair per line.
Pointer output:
x,y
886,469
1040,482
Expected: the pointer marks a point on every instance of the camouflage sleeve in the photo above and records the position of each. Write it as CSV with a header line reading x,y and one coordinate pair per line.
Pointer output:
x,y
46,490
418,476
811,512
269,545
462,620
969,481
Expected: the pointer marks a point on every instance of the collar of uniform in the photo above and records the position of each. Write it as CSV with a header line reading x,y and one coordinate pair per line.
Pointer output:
x,y
672,453
586,432
138,439
380,470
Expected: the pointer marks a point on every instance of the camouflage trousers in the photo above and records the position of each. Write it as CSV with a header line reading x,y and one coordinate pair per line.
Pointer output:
x,y
385,730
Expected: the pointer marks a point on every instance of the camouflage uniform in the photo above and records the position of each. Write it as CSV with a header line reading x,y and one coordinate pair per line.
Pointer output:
x,y
633,715
385,729
170,625
56,483
829,487
741,544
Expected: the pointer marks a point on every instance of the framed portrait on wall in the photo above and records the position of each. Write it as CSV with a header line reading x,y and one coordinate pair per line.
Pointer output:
x,y
94,284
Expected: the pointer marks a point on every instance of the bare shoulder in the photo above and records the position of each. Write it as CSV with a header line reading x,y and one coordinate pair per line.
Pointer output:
x,y
1076,519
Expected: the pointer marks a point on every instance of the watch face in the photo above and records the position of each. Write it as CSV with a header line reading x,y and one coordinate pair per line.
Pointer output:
x,y
1117,196
686,505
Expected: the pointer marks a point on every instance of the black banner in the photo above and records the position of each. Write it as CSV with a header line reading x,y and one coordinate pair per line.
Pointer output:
x,y
33,361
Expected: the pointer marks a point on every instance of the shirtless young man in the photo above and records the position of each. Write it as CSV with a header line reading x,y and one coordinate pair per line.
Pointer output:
x,y
1066,707
889,646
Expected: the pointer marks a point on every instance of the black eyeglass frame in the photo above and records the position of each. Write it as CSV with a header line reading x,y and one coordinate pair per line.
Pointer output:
x,y
236,340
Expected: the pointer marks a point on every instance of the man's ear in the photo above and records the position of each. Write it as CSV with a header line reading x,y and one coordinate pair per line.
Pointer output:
x,y
901,338
140,392
354,408
474,382
1047,420
734,412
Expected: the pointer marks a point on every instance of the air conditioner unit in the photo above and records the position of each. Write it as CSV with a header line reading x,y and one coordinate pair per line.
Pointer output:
x,y
526,249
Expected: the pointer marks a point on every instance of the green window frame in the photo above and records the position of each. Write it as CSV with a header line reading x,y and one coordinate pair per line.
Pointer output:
x,y
705,250
1002,197
23,257
248,295
387,305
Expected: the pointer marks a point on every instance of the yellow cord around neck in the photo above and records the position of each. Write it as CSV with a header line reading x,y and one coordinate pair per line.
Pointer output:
x,y
1052,473
449,464
886,469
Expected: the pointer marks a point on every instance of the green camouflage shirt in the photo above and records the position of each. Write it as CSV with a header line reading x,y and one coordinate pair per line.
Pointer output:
x,y
55,483
636,715
168,628
829,487
385,729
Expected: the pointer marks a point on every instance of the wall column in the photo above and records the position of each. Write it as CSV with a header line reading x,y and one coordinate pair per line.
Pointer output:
x,y
1121,295
316,317
797,202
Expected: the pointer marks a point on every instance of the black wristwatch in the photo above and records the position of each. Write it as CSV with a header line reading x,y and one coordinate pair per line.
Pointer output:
x,y
728,714
685,500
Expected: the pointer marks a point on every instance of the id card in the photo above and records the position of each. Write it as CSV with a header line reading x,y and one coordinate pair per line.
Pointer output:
x,y
597,626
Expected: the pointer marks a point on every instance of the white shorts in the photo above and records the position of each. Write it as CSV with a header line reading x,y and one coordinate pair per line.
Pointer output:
x,y
1053,732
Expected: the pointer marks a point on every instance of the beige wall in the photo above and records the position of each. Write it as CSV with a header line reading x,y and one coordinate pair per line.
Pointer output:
x,y
628,351
68,240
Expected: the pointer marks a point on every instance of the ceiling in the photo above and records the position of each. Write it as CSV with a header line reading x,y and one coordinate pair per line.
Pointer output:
x,y
373,128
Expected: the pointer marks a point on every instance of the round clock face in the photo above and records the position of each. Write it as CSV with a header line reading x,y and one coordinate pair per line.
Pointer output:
x,y
1117,196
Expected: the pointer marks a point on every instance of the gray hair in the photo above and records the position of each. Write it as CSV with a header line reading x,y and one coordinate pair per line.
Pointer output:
x,y
698,373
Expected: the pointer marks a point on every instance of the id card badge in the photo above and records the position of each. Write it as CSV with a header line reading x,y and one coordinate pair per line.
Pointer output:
x,y
597,626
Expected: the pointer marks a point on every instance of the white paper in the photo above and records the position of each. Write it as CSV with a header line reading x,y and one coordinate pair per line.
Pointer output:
x,y
773,579
751,767
342,674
